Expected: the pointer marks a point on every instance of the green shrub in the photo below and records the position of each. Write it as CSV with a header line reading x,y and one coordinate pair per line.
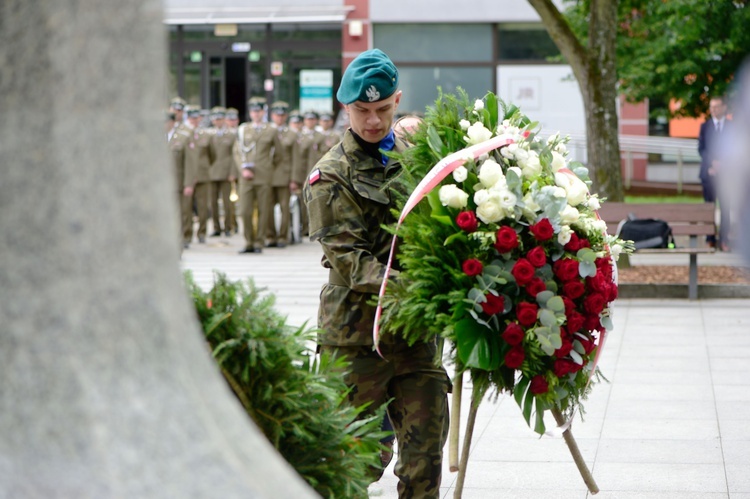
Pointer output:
x,y
296,399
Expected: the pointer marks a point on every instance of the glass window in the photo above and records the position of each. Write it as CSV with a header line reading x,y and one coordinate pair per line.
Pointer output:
x,y
307,32
420,85
528,42
435,42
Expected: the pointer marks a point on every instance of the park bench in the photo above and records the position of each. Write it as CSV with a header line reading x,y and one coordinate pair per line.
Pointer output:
x,y
694,220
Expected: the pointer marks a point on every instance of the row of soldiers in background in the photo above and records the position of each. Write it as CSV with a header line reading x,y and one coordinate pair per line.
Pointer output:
x,y
269,162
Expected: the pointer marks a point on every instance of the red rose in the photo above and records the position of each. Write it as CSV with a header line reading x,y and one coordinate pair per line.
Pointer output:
x,y
592,323
574,244
513,334
539,385
604,265
575,367
526,313
542,230
467,221
514,357
566,269
472,267
535,286
493,305
611,292
573,289
563,367
506,240
597,283
523,271
537,257
564,350
569,305
588,345
575,321
594,303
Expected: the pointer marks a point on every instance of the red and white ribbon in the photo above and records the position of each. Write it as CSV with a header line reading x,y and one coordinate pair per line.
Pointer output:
x,y
428,183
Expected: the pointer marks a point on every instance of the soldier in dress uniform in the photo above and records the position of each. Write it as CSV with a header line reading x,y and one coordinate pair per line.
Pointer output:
x,y
198,158
254,152
328,136
177,140
295,121
307,156
232,119
222,171
282,176
349,198
177,106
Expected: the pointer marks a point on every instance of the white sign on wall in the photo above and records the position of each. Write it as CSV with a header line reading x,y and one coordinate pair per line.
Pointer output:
x,y
316,90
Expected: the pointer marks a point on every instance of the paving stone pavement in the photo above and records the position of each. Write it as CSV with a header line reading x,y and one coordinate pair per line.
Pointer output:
x,y
672,423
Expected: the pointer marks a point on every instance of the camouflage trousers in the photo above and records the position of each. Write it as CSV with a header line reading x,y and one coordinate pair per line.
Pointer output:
x,y
418,411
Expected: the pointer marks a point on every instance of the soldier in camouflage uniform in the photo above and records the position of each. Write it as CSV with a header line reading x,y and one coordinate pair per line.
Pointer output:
x,y
349,198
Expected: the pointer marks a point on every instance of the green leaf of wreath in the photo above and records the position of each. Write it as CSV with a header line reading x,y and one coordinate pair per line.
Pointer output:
x,y
477,346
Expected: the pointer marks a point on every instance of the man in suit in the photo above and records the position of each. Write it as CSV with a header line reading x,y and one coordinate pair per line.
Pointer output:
x,y
710,145
254,150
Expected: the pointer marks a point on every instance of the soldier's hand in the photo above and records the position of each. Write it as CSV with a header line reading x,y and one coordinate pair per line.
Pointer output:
x,y
247,174
187,191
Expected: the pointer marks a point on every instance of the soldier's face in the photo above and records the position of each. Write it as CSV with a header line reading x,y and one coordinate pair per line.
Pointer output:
x,y
233,122
256,115
279,119
372,120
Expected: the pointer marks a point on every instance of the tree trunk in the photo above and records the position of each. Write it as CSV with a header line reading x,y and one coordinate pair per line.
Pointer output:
x,y
595,70
107,387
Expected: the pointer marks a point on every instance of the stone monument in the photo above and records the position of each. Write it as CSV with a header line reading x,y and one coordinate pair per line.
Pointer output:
x,y
106,387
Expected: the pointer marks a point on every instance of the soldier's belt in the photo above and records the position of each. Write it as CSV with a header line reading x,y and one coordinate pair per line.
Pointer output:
x,y
336,279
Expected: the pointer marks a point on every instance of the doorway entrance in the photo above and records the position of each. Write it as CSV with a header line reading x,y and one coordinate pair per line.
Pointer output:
x,y
227,83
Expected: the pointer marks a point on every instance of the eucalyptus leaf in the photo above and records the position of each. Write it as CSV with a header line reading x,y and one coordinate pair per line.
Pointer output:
x,y
547,317
556,304
475,294
586,255
576,357
578,347
543,297
606,321
587,269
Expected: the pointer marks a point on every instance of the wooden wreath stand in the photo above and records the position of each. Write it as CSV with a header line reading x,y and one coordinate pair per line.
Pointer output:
x,y
461,464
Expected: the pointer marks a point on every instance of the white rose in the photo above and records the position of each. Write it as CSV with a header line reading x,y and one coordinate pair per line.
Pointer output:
x,y
464,124
563,237
478,105
451,195
594,203
531,166
615,250
477,133
576,191
460,174
481,196
521,154
506,199
490,173
561,148
599,225
509,151
490,211
553,138
569,215
558,161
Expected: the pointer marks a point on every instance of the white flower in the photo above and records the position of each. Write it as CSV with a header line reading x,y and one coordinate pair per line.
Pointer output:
x,y
490,173
553,138
460,174
509,151
481,196
569,215
531,166
561,148
599,225
464,124
615,250
530,203
558,161
576,191
490,211
563,237
478,105
451,195
477,133
521,154
506,199
593,202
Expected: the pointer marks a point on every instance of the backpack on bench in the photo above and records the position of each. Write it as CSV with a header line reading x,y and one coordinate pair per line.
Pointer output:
x,y
646,232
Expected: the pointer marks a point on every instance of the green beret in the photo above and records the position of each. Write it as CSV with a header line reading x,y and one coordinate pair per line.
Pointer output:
x,y
370,77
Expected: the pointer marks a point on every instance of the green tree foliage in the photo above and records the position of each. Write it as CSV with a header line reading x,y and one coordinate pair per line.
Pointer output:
x,y
297,401
686,50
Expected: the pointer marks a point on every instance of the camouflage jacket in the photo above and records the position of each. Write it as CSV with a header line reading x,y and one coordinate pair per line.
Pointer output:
x,y
348,199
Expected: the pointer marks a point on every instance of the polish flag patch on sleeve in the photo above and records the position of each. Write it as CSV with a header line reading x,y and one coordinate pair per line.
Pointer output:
x,y
314,176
